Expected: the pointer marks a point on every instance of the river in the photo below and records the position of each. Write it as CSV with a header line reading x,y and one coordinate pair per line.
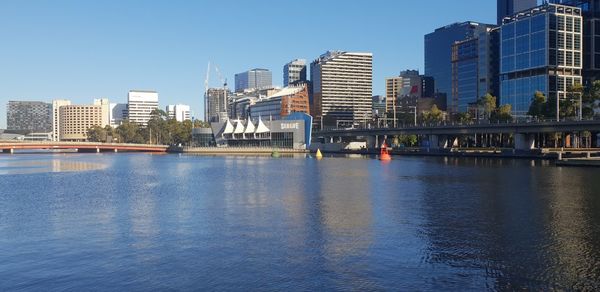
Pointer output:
x,y
139,222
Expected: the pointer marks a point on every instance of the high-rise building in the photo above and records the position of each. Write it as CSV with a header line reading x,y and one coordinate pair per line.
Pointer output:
x,y
253,79
438,53
105,110
76,120
590,10
403,91
179,112
506,8
118,113
342,85
29,116
294,72
474,69
216,104
140,104
56,104
379,106
541,50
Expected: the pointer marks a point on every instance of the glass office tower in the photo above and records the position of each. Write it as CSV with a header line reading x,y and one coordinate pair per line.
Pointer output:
x,y
438,53
541,50
253,79
474,69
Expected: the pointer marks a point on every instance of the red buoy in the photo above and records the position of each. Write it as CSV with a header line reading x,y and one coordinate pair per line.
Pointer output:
x,y
384,154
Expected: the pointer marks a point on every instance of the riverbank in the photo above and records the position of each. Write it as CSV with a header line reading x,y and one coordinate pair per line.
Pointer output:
x,y
552,154
454,152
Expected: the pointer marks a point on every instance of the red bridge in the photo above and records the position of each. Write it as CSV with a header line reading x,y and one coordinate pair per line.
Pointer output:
x,y
11,146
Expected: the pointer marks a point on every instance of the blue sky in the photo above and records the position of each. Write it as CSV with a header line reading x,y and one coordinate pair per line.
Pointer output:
x,y
82,50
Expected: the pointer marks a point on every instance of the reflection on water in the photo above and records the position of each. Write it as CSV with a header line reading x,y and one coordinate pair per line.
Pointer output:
x,y
183,222
19,164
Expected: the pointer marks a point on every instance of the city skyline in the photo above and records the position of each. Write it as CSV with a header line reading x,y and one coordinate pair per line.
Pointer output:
x,y
71,50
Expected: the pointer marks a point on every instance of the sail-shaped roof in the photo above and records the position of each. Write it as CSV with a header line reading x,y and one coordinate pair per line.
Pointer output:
x,y
239,127
228,129
261,128
250,128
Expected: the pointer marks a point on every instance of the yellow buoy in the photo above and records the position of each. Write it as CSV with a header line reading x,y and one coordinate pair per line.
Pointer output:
x,y
319,155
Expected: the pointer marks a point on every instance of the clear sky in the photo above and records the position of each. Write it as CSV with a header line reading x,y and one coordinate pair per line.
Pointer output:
x,y
82,50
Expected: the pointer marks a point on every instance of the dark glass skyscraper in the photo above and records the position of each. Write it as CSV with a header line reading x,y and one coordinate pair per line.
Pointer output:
x,y
475,69
438,53
506,8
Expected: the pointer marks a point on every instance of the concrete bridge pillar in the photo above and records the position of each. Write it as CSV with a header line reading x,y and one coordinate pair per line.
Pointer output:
x,y
434,141
524,142
97,150
372,142
116,150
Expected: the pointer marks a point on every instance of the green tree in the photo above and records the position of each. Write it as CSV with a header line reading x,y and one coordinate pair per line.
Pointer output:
x,y
591,99
569,107
435,115
201,124
463,118
130,133
111,134
502,114
539,107
96,134
408,140
488,104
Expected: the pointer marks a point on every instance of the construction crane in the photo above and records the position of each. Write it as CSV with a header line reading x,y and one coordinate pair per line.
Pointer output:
x,y
206,87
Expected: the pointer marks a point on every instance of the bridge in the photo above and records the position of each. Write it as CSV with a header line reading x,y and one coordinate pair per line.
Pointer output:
x,y
443,134
12,146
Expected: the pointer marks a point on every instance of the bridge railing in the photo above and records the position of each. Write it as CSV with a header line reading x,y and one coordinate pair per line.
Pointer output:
x,y
474,123
20,142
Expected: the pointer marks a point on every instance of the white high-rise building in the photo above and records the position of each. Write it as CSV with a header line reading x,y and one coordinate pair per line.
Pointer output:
x,y
56,104
140,104
118,113
180,112
342,88
105,110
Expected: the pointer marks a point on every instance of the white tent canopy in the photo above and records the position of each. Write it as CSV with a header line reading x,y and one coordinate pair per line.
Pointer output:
x,y
261,128
250,128
228,128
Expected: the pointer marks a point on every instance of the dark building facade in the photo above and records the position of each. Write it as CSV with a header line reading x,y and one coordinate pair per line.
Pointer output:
x,y
475,69
29,116
506,8
438,53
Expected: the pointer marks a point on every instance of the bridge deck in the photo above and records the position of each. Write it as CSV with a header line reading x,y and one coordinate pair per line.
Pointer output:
x,y
466,129
22,145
